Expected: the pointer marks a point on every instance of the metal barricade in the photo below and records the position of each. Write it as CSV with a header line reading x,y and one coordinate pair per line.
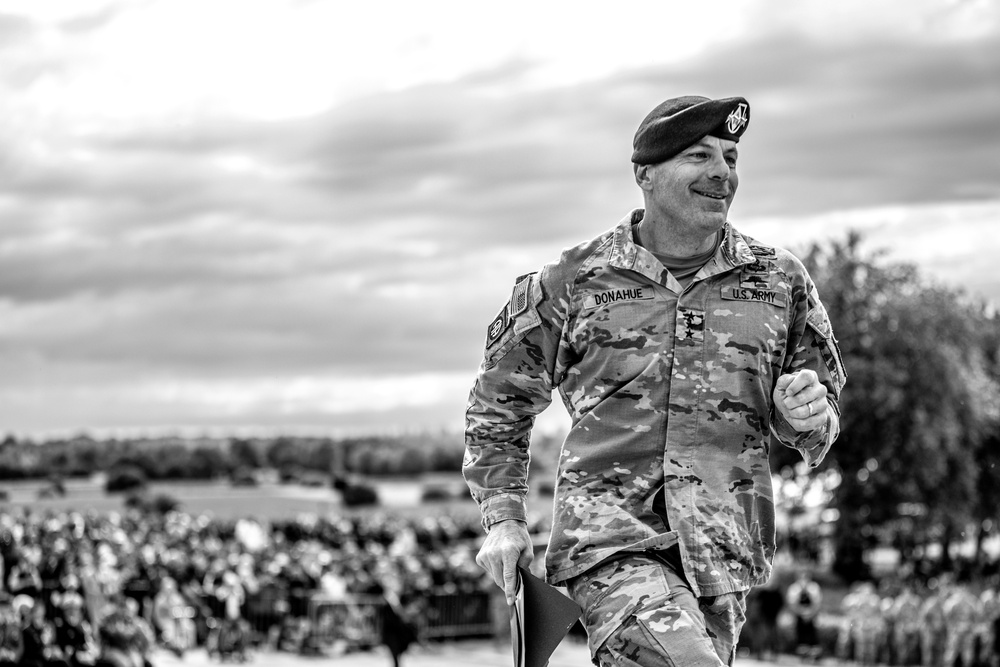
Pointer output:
x,y
354,623
456,615
264,611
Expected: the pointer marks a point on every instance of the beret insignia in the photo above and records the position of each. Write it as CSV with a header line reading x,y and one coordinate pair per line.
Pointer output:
x,y
737,118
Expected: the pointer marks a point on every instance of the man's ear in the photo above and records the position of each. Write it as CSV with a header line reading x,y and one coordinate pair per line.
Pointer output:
x,y
642,178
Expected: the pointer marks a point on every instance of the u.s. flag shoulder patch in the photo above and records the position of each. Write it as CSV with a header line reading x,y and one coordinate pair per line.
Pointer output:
x,y
519,297
518,304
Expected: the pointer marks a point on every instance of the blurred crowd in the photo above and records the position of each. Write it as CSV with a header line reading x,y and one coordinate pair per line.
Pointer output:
x,y
938,623
107,589
90,589
945,622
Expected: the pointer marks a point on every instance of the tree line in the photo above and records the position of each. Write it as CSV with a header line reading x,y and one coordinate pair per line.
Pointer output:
x,y
918,458
181,459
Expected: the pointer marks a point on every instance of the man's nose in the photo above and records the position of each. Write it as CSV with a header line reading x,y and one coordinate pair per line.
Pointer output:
x,y
718,169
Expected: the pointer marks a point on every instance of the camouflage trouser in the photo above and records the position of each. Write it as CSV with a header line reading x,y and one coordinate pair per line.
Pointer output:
x,y
960,640
985,633
639,612
868,632
905,643
931,646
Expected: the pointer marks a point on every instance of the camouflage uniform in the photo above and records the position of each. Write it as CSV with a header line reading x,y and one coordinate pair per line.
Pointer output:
x,y
963,611
905,616
932,629
990,602
869,628
669,392
664,617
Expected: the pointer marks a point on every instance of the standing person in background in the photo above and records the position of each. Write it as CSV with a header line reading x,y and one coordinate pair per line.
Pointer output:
x,y
905,617
933,623
964,612
990,626
804,598
868,626
682,350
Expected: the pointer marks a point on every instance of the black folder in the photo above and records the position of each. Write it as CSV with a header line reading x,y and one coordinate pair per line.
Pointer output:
x,y
539,619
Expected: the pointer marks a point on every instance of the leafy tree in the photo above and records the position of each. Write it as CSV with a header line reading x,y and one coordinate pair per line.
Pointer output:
x,y
283,452
208,462
916,406
125,478
244,454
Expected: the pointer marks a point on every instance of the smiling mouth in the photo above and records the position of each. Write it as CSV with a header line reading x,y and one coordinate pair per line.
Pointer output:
x,y
712,195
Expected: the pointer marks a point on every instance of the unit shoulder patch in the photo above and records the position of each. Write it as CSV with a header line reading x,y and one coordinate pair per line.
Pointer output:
x,y
498,326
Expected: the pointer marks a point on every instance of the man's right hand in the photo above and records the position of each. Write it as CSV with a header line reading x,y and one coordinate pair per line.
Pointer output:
x,y
507,545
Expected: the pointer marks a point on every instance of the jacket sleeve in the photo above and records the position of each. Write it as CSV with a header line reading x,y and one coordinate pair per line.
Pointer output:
x,y
812,345
513,386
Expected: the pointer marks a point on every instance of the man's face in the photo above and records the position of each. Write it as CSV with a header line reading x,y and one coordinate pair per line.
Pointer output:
x,y
695,187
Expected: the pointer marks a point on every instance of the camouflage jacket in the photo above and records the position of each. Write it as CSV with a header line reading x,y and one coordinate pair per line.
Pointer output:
x,y
667,388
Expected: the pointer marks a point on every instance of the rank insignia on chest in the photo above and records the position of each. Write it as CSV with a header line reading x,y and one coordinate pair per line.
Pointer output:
x,y
690,325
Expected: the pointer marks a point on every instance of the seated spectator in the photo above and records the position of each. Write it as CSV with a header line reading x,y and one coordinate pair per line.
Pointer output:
x,y
23,577
121,640
11,646
38,635
145,637
174,618
73,633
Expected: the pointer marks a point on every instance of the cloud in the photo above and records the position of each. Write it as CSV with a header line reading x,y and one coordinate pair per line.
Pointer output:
x,y
171,264
13,29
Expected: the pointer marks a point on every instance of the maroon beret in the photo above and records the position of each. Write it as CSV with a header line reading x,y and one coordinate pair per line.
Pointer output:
x,y
680,122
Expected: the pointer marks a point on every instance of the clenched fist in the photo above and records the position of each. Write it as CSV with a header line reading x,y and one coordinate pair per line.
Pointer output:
x,y
801,400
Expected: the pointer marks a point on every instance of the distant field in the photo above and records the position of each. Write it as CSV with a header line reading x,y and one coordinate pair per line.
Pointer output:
x,y
270,501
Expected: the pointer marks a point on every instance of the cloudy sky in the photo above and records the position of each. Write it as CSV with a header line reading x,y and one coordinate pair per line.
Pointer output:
x,y
222,216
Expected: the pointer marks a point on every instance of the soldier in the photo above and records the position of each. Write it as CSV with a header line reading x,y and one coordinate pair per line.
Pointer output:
x,y
963,611
932,625
905,615
804,598
682,350
869,626
988,633
849,617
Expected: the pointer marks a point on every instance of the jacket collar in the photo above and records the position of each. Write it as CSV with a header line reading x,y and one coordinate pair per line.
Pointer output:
x,y
625,254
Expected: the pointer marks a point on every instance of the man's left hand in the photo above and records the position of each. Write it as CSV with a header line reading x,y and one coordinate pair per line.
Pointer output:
x,y
801,400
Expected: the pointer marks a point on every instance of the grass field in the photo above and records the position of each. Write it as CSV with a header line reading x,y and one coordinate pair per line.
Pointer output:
x,y
267,501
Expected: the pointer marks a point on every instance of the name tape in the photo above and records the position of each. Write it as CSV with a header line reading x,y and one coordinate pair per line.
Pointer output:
x,y
616,295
